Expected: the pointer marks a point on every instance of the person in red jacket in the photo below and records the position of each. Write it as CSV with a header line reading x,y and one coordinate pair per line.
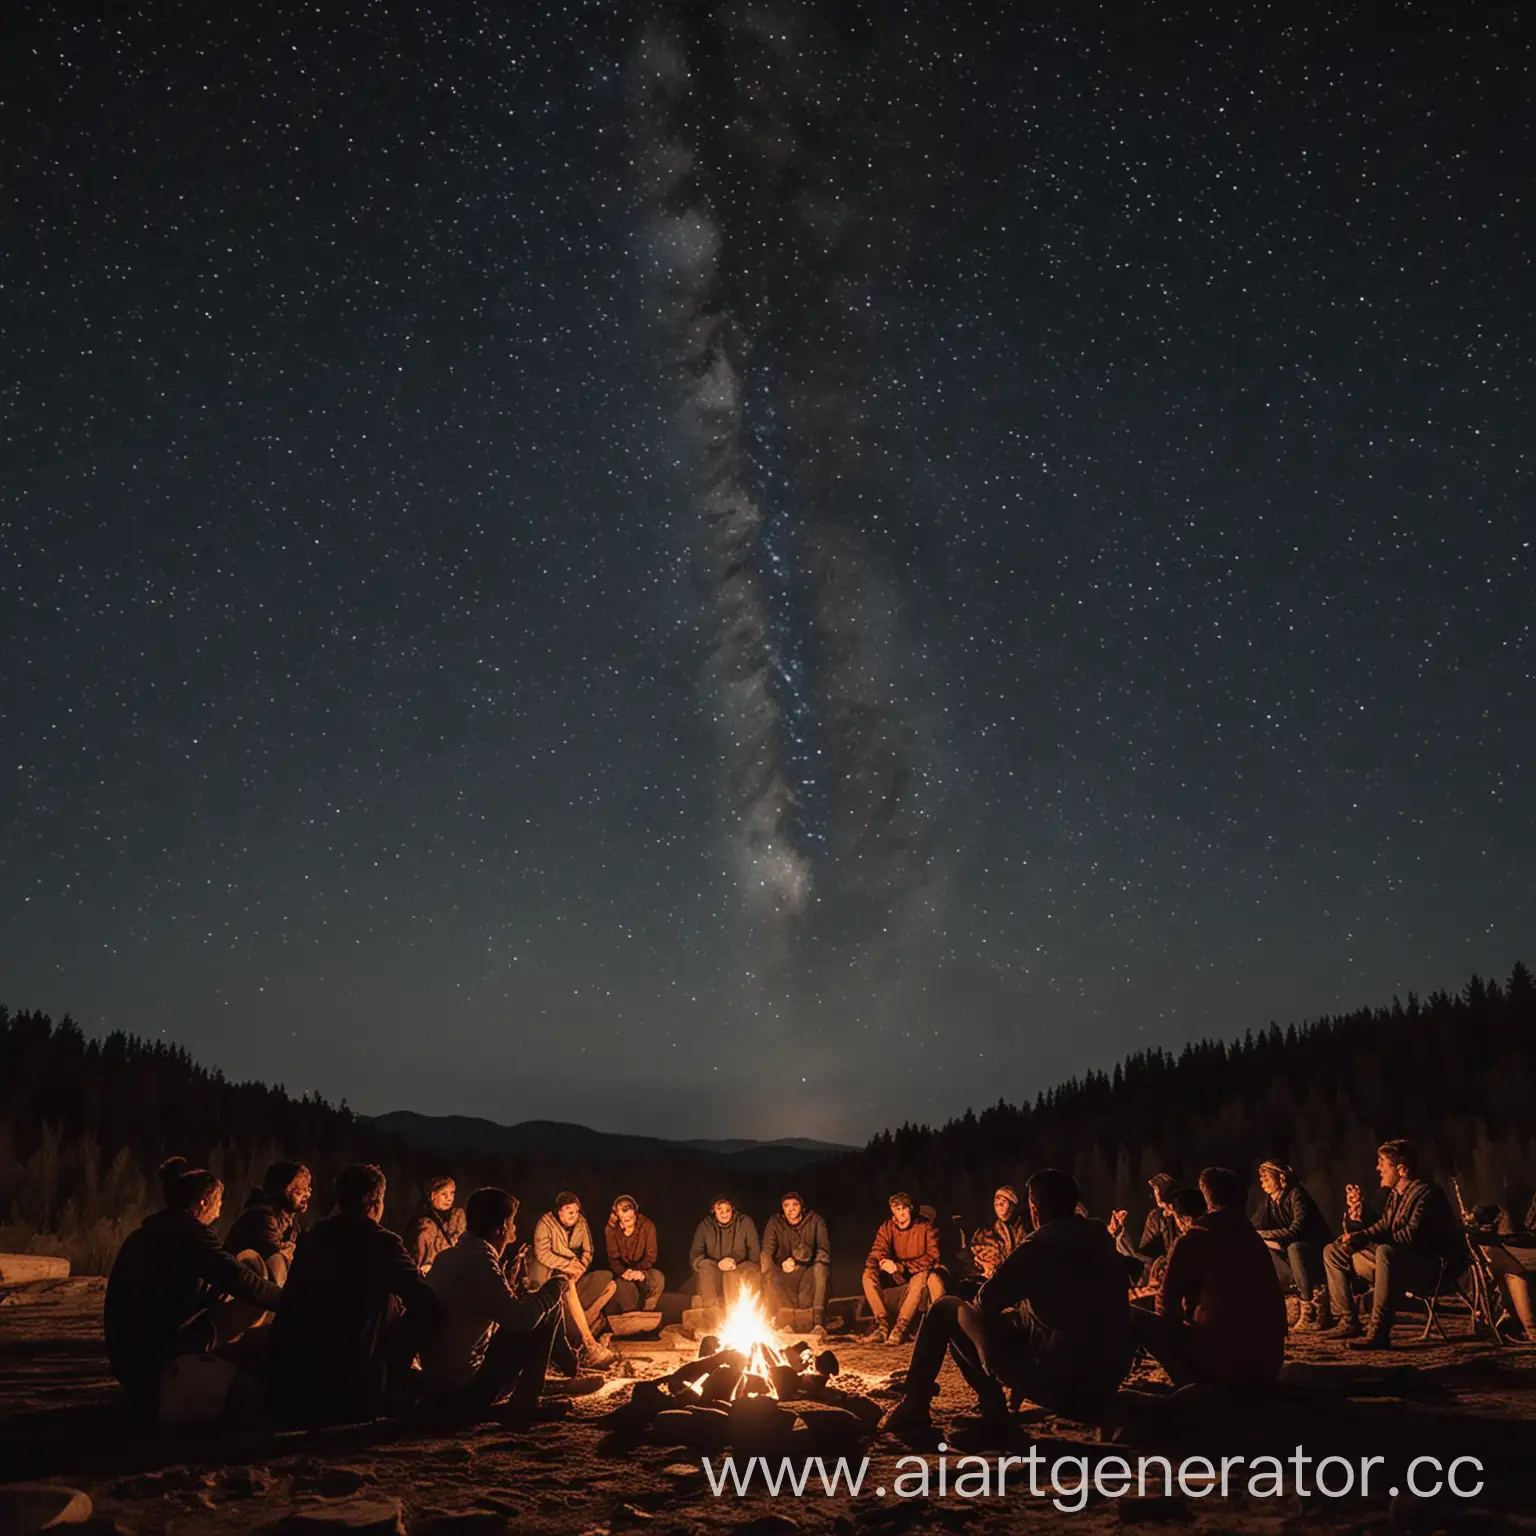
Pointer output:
x,y
1220,1312
905,1254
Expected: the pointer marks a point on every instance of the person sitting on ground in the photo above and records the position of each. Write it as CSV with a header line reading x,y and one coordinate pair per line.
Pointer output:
x,y
903,1256
562,1245
991,1244
355,1312
1051,1324
1220,1313
1295,1231
630,1238
1512,1257
1158,1231
269,1224
437,1226
797,1259
726,1255
1402,1250
494,1350
168,1275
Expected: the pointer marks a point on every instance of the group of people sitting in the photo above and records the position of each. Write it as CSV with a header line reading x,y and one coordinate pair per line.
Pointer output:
x,y
1061,1318
1048,1304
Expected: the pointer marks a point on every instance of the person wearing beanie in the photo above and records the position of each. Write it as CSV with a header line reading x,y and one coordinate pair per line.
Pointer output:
x,y
1295,1231
437,1226
903,1261
630,1238
991,1244
797,1259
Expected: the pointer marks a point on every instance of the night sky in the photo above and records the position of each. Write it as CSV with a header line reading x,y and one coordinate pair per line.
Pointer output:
x,y
360,724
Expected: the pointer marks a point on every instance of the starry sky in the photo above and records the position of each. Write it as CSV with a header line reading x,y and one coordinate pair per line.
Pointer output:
x,y
350,636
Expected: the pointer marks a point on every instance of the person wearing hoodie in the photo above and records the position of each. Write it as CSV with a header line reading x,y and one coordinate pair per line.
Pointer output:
x,y
1051,1324
1295,1231
167,1278
630,1238
726,1255
269,1224
797,1259
437,1226
991,1244
562,1245
1220,1313
905,1257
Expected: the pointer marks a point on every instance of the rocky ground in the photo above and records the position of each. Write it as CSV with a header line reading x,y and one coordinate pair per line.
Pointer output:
x,y
59,1425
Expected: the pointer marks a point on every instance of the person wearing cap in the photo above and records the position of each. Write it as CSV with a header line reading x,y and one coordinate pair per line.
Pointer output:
x,y
797,1259
726,1255
991,1244
630,1237
437,1226
1295,1231
269,1224
903,1257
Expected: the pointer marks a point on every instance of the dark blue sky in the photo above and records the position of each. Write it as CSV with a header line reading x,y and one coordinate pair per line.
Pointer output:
x,y
349,656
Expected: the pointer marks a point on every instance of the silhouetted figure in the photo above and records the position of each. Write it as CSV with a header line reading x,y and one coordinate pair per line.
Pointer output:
x,y
355,1312
903,1257
797,1259
1158,1231
1051,1324
437,1226
167,1276
1295,1231
1220,1313
494,1348
1512,1257
1402,1250
269,1224
726,1255
630,1237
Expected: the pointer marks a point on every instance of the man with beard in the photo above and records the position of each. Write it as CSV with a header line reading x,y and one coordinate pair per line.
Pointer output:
x,y
269,1224
797,1258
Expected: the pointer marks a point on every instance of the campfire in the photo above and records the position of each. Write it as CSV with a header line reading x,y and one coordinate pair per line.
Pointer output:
x,y
747,1390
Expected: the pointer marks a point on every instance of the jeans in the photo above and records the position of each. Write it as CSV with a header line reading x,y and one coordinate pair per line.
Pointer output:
x,y
514,1367
1301,1265
637,1295
805,1287
910,1293
721,1287
1386,1268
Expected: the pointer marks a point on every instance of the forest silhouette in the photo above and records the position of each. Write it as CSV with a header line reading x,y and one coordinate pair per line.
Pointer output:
x,y
84,1123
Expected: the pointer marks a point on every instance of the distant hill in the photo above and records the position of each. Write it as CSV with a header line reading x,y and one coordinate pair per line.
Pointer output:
x,y
555,1139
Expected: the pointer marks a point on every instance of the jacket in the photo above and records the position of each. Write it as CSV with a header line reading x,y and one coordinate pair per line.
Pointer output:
x,y
167,1271
558,1250
1158,1235
1417,1215
712,1242
991,1244
915,1248
806,1242
432,1232
261,1228
328,1360
1069,1285
467,1279
1293,1218
1221,1280
630,1250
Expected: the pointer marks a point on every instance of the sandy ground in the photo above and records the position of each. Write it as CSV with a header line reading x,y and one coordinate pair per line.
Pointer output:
x,y
59,1423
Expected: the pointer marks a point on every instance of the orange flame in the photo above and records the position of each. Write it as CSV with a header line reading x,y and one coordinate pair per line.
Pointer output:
x,y
746,1330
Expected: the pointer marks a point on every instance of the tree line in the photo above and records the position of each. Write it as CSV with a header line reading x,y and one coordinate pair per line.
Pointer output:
x,y
84,1123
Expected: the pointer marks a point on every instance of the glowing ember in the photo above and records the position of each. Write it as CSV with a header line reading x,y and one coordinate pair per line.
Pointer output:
x,y
748,1332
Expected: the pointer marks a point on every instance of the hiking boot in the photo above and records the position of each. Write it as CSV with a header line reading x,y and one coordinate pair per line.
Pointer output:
x,y
573,1386
1377,1338
880,1335
596,1358
1312,1320
896,1337
909,1414
1345,1328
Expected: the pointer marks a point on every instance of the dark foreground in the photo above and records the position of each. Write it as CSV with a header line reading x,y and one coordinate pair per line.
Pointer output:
x,y
59,1423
